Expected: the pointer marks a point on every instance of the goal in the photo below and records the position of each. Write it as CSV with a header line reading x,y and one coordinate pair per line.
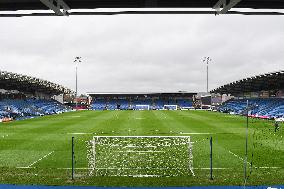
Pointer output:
x,y
142,107
140,156
170,107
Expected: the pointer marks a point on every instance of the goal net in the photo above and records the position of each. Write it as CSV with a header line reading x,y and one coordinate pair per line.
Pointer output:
x,y
142,107
170,107
140,156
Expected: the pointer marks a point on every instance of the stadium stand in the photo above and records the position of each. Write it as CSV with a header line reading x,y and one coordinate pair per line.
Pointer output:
x,y
26,108
264,93
102,104
269,108
112,104
22,96
265,82
136,101
185,103
159,104
99,104
123,104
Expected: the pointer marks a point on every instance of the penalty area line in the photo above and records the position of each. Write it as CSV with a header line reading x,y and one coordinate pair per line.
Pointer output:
x,y
41,158
239,157
214,168
269,167
236,155
76,168
225,168
197,133
80,133
30,166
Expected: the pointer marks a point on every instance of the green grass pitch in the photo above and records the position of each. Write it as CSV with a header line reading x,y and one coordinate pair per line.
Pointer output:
x,y
38,151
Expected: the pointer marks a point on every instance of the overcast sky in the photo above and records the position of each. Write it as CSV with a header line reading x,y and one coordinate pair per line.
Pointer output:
x,y
142,53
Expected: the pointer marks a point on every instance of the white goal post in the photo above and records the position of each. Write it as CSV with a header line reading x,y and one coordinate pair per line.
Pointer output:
x,y
170,107
142,107
140,156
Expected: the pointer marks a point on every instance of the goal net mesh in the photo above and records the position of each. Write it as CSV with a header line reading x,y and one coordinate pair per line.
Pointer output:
x,y
140,156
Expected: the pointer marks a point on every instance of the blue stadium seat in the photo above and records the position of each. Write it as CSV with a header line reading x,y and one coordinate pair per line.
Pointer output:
x,y
258,107
99,104
25,108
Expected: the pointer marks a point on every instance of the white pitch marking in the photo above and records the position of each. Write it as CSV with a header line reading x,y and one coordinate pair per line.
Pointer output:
x,y
145,175
80,133
40,159
149,151
202,168
197,133
269,167
130,146
221,168
141,136
83,168
236,155
137,175
215,168
116,168
239,157
98,168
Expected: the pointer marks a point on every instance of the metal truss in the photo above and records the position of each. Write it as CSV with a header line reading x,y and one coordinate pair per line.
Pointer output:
x,y
268,81
24,83
57,6
226,5
141,13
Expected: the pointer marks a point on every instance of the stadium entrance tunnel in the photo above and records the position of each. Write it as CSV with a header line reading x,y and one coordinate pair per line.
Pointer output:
x,y
93,187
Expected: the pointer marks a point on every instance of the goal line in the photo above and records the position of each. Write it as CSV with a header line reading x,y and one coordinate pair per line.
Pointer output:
x,y
146,136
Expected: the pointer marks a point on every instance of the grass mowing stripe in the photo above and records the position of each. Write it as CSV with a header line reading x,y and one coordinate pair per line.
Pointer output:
x,y
30,139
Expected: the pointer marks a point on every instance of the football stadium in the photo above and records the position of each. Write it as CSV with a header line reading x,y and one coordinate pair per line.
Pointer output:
x,y
231,136
143,139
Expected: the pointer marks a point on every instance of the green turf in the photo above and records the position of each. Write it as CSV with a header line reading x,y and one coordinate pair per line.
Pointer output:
x,y
38,151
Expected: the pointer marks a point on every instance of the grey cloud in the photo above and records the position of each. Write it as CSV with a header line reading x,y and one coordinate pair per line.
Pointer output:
x,y
142,53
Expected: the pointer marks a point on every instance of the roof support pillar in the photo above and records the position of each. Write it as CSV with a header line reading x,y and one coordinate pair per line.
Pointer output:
x,y
225,5
56,6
